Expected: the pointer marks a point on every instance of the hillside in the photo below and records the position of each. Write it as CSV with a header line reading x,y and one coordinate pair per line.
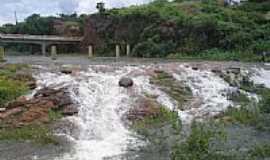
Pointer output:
x,y
163,29
179,29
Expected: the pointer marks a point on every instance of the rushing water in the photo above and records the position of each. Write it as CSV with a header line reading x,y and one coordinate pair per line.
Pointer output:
x,y
209,88
261,76
102,103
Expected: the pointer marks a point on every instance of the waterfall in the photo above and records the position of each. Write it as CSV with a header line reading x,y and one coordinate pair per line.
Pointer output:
x,y
261,76
209,88
102,104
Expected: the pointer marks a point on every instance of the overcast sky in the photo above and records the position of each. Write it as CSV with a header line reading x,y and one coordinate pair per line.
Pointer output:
x,y
25,8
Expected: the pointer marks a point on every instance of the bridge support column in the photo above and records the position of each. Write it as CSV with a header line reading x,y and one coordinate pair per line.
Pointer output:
x,y
43,49
90,51
117,51
128,50
53,52
2,54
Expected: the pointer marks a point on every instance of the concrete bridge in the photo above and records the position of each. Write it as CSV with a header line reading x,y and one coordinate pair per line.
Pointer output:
x,y
43,40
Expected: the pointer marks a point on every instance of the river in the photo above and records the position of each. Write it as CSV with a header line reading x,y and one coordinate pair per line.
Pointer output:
x,y
101,132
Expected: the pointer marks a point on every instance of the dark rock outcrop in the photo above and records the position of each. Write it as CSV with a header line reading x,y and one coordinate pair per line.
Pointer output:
x,y
126,82
37,109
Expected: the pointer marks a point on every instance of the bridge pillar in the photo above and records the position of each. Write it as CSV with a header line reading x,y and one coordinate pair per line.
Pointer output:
x,y
2,54
128,50
43,49
53,52
117,51
90,51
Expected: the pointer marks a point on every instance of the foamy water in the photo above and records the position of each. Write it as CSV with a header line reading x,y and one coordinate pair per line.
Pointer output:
x,y
207,86
261,76
102,104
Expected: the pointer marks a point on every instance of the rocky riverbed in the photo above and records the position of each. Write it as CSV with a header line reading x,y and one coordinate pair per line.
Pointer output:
x,y
101,120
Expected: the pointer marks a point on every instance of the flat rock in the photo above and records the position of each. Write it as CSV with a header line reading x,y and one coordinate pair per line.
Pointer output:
x,y
70,110
10,112
3,109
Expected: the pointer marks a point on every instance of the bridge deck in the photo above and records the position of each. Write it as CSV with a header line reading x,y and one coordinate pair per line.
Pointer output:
x,y
38,38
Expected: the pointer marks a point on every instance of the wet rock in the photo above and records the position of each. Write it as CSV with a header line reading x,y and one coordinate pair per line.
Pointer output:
x,y
158,71
66,70
31,84
126,82
10,112
146,107
35,113
234,70
70,110
37,109
217,71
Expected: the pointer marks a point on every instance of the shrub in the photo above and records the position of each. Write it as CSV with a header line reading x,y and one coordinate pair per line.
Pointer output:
x,y
262,46
145,49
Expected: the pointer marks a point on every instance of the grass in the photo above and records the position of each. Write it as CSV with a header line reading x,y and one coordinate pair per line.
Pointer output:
x,y
261,151
10,90
164,117
39,134
198,144
240,98
10,69
12,85
217,55
244,115
174,89
251,113
36,133
54,115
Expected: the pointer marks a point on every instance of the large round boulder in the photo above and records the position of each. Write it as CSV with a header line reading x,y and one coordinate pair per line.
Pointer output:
x,y
126,82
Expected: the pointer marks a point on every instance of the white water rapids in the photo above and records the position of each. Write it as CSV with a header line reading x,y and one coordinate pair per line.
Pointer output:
x,y
102,104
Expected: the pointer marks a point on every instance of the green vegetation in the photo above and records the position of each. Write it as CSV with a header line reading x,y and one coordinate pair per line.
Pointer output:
x,y
164,117
10,90
173,88
240,98
198,144
261,151
250,112
159,126
54,115
38,25
218,55
36,133
178,29
196,29
10,86
39,134
245,114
